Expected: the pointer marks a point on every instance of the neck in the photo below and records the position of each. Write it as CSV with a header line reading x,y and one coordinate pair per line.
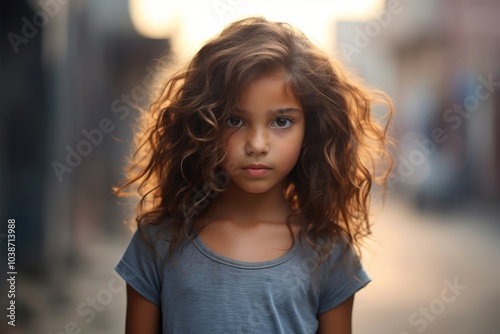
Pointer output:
x,y
243,207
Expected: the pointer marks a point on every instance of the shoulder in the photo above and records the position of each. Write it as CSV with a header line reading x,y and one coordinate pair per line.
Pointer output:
x,y
331,252
152,240
341,274
342,259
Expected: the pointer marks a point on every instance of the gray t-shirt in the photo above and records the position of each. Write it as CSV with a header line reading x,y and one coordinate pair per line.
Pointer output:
x,y
203,292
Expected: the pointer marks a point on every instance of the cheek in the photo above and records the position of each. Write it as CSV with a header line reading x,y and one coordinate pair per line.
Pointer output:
x,y
231,148
230,162
290,150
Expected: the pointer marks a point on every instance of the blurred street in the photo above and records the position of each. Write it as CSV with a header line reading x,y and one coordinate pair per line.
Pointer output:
x,y
414,257
418,255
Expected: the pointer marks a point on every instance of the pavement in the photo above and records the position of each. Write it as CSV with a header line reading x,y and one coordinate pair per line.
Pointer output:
x,y
432,273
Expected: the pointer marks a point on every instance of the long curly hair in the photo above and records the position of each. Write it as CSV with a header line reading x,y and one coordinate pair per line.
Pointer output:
x,y
179,149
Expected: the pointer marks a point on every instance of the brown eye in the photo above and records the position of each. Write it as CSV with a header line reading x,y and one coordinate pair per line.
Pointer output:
x,y
234,122
282,123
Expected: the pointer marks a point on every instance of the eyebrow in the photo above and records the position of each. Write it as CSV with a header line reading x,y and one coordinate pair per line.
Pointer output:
x,y
273,112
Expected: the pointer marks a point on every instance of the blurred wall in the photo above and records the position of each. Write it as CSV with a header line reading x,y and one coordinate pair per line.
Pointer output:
x,y
24,121
439,62
72,74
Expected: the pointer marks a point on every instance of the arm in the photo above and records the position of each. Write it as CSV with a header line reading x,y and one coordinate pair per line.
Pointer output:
x,y
143,317
338,320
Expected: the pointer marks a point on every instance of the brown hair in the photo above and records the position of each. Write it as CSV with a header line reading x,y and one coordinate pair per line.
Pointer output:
x,y
177,162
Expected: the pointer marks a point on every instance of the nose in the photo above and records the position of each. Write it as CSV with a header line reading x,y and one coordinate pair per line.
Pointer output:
x,y
257,142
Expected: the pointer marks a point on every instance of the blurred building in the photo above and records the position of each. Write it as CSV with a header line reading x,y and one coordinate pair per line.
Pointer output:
x,y
439,61
72,74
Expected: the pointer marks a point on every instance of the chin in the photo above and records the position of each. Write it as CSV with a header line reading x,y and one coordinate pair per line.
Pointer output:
x,y
256,190
254,187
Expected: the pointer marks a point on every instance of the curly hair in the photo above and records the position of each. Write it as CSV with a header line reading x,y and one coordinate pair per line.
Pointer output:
x,y
176,167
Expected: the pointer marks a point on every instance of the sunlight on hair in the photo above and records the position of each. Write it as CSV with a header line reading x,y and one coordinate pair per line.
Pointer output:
x,y
190,23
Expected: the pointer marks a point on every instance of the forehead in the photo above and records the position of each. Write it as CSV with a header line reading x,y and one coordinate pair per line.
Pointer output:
x,y
269,90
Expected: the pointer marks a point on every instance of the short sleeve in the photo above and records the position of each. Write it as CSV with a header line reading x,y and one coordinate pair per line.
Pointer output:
x,y
342,277
140,267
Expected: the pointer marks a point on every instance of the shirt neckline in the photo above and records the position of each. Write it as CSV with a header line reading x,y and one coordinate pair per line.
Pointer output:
x,y
200,245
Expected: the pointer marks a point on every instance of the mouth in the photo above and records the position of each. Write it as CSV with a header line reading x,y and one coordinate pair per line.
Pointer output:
x,y
256,169
256,166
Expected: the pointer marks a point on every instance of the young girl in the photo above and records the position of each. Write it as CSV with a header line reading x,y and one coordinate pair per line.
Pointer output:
x,y
254,168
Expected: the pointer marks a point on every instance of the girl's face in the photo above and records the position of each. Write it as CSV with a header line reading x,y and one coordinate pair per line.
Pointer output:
x,y
264,135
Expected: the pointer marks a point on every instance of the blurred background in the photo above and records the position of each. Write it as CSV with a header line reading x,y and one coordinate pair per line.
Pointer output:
x,y
73,70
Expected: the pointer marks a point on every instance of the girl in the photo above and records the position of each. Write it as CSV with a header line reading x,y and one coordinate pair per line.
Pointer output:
x,y
254,168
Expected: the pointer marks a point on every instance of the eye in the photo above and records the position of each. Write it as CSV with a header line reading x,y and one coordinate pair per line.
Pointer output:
x,y
282,123
234,122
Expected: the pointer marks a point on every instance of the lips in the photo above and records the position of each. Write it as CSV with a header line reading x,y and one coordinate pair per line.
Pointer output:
x,y
256,166
256,169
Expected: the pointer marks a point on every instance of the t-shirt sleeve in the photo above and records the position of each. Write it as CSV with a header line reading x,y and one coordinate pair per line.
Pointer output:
x,y
341,278
140,267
